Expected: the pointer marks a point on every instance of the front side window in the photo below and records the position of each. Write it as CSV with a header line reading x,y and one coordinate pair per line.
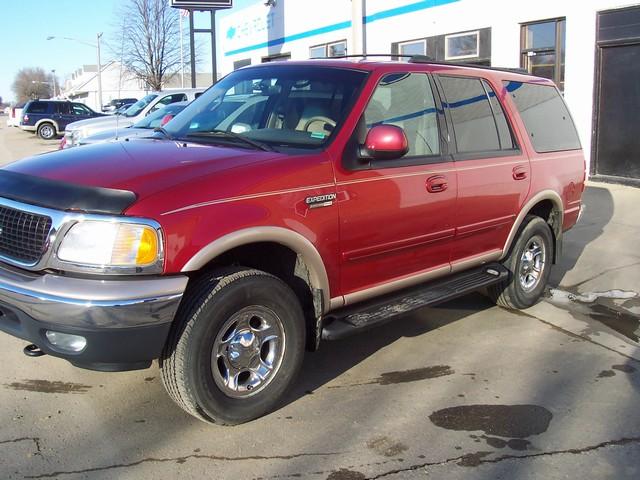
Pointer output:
x,y
542,49
279,106
545,116
406,100
473,121
79,109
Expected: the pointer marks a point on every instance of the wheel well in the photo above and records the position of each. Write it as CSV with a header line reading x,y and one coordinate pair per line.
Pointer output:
x,y
550,213
47,122
281,262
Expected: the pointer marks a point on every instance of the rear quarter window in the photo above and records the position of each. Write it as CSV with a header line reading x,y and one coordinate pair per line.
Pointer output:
x,y
37,107
545,116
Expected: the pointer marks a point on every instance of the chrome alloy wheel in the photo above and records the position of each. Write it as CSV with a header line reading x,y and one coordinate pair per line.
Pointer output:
x,y
47,132
532,263
248,351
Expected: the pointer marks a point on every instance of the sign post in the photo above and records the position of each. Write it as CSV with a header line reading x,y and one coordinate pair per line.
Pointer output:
x,y
202,5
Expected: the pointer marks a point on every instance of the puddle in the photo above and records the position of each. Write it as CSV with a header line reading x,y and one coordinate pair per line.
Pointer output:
x,y
601,306
511,421
46,386
386,447
405,376
519,444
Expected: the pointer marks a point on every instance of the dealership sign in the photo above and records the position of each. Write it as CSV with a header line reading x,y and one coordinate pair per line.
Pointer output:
x,y
202,4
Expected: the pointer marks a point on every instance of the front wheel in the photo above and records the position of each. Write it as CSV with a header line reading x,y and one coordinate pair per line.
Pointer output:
x,y
530,265
236,347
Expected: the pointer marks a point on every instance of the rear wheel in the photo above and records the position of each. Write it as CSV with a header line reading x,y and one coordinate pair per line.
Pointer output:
x,y
236,348
46,131
530,265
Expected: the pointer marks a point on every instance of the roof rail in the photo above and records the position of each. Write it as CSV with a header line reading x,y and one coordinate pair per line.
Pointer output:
x,y
427,59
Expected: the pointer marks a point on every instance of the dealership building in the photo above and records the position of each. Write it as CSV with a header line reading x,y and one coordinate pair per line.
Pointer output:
x,y
591,49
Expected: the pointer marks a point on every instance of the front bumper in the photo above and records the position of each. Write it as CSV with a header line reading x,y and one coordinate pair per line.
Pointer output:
x,y
125,322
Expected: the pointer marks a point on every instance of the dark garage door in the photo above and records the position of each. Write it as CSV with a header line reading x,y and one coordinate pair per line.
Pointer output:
x,y
617,121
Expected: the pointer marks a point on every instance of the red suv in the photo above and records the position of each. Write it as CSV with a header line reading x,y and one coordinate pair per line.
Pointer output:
x,y
289,203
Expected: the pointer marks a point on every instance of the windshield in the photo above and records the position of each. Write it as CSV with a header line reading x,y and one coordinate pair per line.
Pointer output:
x,y
290,106
154,119
140,105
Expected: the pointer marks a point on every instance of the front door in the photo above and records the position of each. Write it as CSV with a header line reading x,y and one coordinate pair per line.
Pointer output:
x,y
393,229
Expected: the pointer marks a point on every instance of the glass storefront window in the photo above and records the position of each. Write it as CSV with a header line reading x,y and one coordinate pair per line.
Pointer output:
x,y
542,49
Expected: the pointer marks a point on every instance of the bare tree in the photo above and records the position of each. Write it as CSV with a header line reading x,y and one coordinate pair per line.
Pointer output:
x,y
31,83
151,41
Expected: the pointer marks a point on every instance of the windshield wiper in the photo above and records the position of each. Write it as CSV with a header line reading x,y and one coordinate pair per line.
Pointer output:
x,y
164,132
231,136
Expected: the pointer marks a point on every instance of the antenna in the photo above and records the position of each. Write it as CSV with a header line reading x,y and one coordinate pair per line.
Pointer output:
x,y
120,75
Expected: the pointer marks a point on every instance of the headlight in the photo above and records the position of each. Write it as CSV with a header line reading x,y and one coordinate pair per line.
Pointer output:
x,y
110,244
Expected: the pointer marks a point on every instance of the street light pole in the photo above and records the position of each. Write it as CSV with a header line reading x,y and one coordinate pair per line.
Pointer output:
x,y
99,75
97,47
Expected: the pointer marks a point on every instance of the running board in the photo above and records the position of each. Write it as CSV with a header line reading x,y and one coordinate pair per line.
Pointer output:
x,y
361,317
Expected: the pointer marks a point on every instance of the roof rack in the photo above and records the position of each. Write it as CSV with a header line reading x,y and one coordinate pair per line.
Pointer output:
x,y
427,59
433,61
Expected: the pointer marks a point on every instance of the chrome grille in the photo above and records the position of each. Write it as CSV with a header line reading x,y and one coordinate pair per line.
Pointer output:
x,y
23,236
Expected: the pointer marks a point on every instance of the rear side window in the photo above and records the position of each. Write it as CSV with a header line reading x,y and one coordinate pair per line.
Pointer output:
x,y
473,122
37,107
545,116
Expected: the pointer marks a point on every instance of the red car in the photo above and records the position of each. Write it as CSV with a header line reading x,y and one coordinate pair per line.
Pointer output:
x,y
291,202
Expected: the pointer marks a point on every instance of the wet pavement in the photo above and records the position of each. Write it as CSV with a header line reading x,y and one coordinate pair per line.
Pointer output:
x,y
464,390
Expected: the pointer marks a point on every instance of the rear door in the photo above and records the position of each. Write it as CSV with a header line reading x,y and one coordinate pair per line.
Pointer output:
x,y
395,229
493,172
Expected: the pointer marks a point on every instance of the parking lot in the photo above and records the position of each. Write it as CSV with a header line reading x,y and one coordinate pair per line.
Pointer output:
x,y
464,390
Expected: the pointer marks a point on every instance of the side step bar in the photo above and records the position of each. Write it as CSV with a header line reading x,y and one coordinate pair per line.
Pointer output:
x,y
357,318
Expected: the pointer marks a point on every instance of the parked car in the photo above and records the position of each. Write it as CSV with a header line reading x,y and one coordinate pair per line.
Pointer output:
x,y
144,127
49,118
143,107
14,115
117,103
347,194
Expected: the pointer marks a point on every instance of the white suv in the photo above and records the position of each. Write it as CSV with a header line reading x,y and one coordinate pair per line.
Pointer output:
x,y
76,131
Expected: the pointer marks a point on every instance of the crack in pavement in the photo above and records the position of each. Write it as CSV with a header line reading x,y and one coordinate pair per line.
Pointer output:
x,y
35,440
480,461
599,274
178,460
575,335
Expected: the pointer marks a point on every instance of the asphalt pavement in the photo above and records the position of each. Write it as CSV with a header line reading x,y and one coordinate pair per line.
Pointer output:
x,y
464,390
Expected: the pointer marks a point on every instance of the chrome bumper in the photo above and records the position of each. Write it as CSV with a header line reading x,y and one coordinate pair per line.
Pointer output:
x,y
125,322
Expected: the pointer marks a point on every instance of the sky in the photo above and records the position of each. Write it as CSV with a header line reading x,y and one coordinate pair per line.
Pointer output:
x,y
26,24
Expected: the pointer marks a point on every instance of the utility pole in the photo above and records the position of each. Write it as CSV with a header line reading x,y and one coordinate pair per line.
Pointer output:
x,y
99,36
358,34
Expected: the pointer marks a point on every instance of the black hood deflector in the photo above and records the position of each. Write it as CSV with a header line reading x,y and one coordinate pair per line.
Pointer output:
x,y
63,196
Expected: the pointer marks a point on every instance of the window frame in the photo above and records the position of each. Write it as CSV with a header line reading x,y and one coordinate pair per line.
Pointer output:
x,y
423,41
330,44
558,49
448,57
351,160
453,145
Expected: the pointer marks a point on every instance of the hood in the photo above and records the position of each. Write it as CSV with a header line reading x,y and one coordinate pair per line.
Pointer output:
x,y
142,166
120,134
99,124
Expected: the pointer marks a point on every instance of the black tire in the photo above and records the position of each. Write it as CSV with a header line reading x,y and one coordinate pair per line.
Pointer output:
x,y
186,364
512,293
46,131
